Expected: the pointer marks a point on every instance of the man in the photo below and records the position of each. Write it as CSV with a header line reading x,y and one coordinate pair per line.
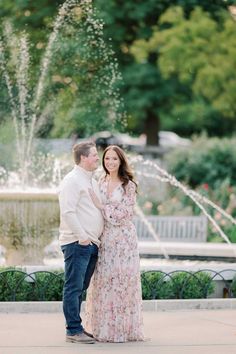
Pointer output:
x,y
81,225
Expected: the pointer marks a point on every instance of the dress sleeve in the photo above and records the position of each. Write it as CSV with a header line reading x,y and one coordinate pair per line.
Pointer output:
x,y
117,213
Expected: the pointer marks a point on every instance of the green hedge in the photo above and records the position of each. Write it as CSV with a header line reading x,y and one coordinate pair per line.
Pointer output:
x,y
176,285
16,285
208,161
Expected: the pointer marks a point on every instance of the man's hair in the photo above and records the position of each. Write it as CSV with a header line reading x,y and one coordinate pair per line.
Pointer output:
x,y
82,149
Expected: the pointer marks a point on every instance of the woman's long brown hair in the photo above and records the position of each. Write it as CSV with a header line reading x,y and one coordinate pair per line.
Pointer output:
x,y
124,173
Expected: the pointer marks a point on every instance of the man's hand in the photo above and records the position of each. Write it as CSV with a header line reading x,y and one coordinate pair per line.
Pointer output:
x,y
85,243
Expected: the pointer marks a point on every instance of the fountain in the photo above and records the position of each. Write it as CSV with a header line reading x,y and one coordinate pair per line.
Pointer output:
x,y
28,201
28,110
32,212
163,176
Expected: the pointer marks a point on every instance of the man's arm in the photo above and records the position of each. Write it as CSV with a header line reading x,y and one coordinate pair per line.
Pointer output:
x,y
68,199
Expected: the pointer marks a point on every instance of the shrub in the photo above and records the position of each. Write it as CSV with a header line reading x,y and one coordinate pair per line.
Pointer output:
x,y
16,285
176,285
192,285
155,286
207,161
48,286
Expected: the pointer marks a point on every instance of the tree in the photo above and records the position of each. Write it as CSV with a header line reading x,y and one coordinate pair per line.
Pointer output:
x,y
146,91
199,53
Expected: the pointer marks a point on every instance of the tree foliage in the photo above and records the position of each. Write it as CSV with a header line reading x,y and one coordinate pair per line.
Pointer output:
x,y
198,53
147,92
184,96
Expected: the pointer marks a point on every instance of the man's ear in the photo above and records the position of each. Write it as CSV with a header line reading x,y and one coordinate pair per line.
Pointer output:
x,y
82,158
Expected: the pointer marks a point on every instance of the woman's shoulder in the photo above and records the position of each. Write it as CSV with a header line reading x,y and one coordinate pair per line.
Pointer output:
x,y
102,179
131,186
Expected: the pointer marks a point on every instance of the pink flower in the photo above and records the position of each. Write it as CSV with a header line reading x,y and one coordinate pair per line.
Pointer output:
x,y
205,186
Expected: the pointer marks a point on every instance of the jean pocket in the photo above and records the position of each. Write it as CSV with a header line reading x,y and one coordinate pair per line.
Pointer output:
x,y
83,246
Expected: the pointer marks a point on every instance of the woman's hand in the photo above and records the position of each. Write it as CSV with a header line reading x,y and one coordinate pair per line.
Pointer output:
x,y
95,199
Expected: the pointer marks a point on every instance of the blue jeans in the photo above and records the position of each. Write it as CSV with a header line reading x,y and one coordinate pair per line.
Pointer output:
x,y
80,263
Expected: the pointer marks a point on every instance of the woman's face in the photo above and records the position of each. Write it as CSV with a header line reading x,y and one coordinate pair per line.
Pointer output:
x,y
112,161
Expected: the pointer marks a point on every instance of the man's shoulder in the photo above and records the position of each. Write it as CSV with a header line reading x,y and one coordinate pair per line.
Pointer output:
x,y
69,176
69,179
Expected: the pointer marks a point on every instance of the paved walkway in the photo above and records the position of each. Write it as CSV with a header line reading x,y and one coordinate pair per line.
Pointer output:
x,y
170,332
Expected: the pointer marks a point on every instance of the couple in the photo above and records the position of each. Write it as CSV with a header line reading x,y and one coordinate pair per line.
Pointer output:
x,y
98,238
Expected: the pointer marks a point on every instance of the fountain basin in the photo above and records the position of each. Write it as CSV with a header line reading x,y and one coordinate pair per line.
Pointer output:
x,y
28,222
187,250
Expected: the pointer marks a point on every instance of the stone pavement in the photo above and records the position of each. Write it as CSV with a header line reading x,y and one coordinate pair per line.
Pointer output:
x,y
169,332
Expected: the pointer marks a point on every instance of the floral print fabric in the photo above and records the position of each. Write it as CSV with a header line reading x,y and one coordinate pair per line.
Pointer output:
x,y
113,305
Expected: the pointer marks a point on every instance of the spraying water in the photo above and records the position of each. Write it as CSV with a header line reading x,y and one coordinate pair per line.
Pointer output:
x,y
28,111
163,176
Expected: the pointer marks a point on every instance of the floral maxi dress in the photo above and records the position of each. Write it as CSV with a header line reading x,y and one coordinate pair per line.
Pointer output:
x,y
114,302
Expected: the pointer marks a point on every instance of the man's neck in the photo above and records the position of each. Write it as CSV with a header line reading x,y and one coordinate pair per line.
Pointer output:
x,y
84,167
84,170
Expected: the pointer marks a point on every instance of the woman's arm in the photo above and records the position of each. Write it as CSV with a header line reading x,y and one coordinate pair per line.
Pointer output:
x,y
117,213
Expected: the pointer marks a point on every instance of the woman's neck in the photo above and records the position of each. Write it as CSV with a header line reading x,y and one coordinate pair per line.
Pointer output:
x,y
114,177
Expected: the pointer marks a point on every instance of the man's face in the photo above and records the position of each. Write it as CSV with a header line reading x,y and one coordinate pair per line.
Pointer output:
x,y
91,161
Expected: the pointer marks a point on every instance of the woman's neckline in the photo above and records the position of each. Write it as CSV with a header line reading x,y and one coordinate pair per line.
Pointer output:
x,y
116,186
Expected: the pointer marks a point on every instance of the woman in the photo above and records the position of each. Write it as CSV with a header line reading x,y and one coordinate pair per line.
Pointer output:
x,y
113,306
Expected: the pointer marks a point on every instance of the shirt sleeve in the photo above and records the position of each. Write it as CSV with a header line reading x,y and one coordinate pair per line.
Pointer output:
x,y
68,199
117,213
